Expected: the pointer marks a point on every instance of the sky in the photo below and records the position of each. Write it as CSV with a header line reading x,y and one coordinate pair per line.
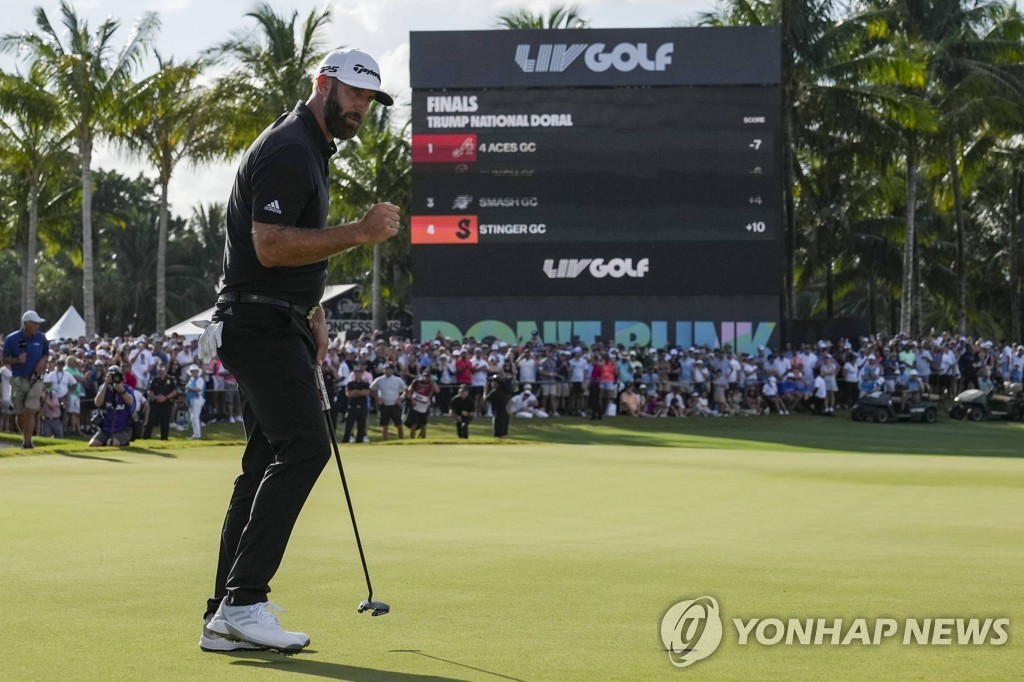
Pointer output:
x,y
381,27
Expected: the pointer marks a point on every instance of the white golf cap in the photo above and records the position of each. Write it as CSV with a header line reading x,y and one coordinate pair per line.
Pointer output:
x,y
31,316
356,68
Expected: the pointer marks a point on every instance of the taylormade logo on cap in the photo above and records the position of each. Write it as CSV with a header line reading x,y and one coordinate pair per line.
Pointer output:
x,y
355,68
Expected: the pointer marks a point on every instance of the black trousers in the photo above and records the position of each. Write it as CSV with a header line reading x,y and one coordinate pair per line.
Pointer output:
x,y
355,418
159,413
462,426
499,423
270,351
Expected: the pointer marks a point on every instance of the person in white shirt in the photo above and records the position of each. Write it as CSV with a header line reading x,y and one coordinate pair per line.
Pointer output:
x,y
829,368
808,360
195,398
184,356
851,379
579,376
525,404
5,399
478,378
1017,364
819,395
527,368
143,363
387,391
948,370
60,380
770,391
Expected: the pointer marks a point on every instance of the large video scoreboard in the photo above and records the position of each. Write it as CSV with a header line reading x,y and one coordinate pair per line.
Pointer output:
x,y
620,185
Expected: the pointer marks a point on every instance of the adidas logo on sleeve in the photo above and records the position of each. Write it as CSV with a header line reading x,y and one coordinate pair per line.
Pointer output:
x,y
273,207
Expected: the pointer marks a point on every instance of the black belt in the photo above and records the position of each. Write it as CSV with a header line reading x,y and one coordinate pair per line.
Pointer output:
x,y
238,297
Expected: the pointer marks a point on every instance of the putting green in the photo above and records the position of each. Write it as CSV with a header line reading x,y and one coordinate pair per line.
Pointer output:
x,y
525,562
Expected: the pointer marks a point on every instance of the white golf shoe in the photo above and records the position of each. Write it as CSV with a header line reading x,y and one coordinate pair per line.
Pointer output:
x,y
256,624
211,641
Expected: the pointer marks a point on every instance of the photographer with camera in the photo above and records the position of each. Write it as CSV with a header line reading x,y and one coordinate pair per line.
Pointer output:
x,y
26,352
117,403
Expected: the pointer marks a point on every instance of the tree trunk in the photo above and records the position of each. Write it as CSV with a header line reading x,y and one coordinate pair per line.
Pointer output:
x,y
872,313
907,299
378,304
161,262
961,265
88,279
24,280
1015,223
830,307
31,247
917,327
788,159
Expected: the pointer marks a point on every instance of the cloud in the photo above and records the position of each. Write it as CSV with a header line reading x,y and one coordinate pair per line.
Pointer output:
x,y
168,6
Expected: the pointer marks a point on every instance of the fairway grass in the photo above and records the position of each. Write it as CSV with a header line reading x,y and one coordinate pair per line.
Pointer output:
x,y
530,561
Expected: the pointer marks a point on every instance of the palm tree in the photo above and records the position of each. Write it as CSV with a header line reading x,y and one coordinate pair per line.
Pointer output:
x,y
971,57
376,165
560,16
36,142
90,79
274,69
196,250
169,119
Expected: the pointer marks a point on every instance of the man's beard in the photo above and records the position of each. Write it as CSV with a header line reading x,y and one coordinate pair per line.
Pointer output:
x,y
339,125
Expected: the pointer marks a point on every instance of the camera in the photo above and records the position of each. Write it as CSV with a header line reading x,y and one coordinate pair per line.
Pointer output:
x,y
114,372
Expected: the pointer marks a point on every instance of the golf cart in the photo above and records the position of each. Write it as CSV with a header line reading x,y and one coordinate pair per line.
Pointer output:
x,y
975,405
882,407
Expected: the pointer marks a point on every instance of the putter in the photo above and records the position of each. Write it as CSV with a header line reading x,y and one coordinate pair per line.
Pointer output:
x,y
376,608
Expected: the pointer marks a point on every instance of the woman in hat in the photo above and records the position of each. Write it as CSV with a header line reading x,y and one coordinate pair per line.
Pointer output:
x,y
195,394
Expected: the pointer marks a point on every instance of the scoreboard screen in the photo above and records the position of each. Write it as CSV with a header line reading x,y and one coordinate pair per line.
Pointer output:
x,y
621,185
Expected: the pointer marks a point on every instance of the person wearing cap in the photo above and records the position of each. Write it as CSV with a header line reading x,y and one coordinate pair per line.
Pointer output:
x,y
116,400
61,381
270,332
163,392
142,363
462,408
25,353
195,398
386,391
420,395
525,404
357,394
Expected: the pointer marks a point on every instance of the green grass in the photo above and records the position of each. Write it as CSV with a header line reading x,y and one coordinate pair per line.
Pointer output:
x,y
533,560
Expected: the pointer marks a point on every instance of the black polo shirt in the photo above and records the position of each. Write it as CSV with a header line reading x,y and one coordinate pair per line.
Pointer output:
x,y
281,180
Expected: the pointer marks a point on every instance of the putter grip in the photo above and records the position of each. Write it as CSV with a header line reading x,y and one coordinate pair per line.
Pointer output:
x,y
321,389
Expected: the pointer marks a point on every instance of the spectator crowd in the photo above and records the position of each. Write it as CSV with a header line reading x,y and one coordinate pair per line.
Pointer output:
x,y
393,377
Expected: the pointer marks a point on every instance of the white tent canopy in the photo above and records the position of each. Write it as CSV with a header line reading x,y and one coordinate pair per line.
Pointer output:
x,y
188,330
69,326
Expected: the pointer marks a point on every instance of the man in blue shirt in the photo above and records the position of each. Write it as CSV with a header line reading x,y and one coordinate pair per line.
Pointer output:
x,y
26,352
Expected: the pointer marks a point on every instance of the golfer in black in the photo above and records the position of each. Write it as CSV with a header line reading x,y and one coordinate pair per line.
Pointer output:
x,y
463,407
163,392
273,333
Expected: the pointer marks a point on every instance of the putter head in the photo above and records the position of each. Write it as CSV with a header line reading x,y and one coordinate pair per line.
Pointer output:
x,y
378,608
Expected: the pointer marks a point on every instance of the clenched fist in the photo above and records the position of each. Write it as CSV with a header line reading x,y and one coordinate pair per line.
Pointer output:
x,y
380,223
